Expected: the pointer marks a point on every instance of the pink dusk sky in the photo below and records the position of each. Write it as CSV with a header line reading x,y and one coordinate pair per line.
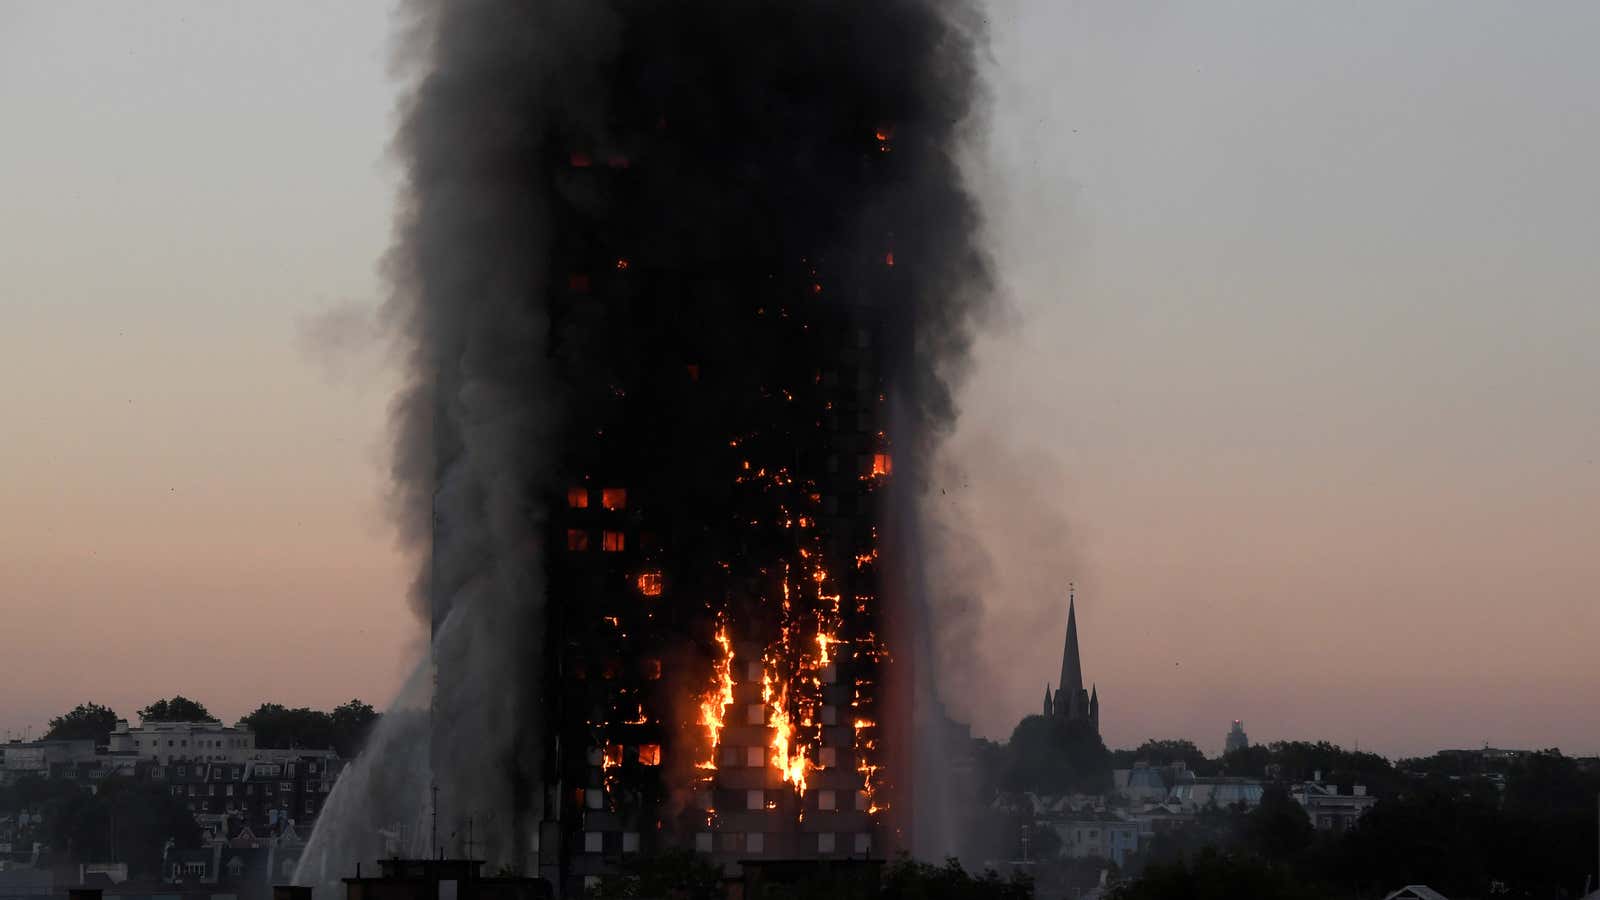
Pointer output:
x,y
1297,380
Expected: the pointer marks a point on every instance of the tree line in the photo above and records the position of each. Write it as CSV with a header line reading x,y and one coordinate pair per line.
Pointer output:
x,y
1464,822
276,727
1444,823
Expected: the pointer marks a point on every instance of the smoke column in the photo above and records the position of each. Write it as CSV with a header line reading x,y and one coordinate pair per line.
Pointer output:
x,y
741,124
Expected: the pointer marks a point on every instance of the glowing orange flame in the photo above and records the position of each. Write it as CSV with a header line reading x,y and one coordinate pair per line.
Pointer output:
x,y
804,657
788,756
714,706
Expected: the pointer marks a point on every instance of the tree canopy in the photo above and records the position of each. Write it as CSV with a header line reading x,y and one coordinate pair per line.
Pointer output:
x,y
177,709
1164,753
86,721
124,820
1458,836
343,730
1213,873
907,879
1054,756
1278,826
679,873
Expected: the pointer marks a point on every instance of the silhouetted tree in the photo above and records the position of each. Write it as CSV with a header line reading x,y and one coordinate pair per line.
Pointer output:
x,y
352,722
1214,874
86,721
35,793
1278,827
124,821
1054,756
1043,841
1425,837
1247,762
281,728
278,727
1302,760
1165,752
178,709
907,879
1213,828
672,873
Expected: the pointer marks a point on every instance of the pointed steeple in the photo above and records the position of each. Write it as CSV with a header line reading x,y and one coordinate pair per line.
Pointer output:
x,y
1071,683
1049,708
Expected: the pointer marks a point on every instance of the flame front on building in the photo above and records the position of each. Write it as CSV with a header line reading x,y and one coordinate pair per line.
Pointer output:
x,y
718,550
809,636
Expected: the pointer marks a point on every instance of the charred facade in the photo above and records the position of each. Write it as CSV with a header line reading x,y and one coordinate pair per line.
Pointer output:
x,y
687,281
713,562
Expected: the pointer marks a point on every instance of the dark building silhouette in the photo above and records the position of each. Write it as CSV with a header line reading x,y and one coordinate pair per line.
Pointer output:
x,y
432,879
1237,739
1070,701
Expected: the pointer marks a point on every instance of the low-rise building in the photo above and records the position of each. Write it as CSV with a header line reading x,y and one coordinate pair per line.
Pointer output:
x,y
1107,835
165,742
23,758
1330,810
265,795
1199,793
1141,784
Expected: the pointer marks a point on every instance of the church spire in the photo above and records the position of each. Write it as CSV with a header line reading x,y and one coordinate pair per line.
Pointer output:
x,y
1049,709
1071,683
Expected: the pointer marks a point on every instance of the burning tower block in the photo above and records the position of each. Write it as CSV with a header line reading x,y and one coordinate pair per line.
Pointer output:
x,y
691,278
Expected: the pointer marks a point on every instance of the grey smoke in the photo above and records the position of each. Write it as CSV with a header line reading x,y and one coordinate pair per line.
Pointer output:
x,y
766,95
343,340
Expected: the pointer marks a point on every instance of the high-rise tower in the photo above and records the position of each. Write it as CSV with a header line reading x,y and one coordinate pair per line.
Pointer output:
x,y
685,279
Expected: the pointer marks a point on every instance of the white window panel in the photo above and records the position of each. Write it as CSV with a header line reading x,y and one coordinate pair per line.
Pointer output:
x,y
755,800
825,842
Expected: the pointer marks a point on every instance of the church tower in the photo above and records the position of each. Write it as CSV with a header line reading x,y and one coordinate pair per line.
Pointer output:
x,y
1071,701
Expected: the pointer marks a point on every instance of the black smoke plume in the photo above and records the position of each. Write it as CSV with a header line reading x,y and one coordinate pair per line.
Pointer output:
x,y
736,149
